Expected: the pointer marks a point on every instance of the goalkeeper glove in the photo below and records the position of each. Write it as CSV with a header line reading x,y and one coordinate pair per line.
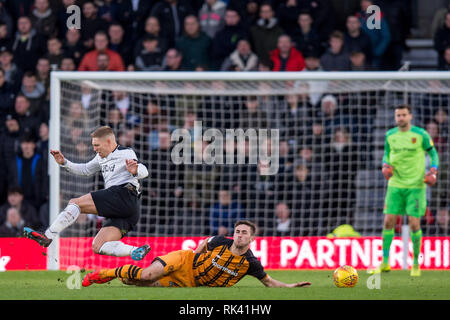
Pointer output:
x,y
388,171
430,177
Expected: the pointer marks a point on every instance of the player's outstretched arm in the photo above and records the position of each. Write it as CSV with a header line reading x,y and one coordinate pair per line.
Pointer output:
x,y
81,169
272,283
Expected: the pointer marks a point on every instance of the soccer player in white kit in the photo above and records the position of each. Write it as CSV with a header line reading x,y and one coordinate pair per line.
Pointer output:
x,y
119,202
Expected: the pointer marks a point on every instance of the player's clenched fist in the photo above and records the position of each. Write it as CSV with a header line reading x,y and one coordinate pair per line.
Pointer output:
x,y
132,166
430,177
388,171
59,157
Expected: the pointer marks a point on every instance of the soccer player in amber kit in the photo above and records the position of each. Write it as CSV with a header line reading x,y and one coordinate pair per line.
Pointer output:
x,y
404,166
119,202
217,262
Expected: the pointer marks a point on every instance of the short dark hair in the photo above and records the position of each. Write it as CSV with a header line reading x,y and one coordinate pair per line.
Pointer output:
x,y
15,189
27,137
247,223
102,132
404,106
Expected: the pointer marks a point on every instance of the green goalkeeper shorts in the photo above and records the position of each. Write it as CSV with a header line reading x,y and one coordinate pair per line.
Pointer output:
x,y
399,201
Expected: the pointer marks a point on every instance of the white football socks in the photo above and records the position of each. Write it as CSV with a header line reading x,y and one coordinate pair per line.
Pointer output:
x,y
68,216
116,249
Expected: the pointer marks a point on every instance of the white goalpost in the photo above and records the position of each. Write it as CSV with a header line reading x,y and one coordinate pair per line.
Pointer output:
x,y
331,124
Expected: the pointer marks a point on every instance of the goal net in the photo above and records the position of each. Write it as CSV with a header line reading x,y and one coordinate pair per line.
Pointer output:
x,y
324,168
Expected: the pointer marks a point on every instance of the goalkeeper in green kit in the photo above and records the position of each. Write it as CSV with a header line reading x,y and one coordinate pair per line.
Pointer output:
x,y
404,166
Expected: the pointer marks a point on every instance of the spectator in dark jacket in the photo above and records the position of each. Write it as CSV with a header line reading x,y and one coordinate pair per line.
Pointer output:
x,y
287,14
336,58
132,15
172,60
13,225
446,65
285,57
55,52
63,16
265,33
34,91
442,40
194,45
119,43
152,28
224,214
6,97
91,24
27,45
28,173
73,46
13,74
225,41
5,38
150,58
356,40
43,19
26,210
304,36
171,14
9,144
28,122
6,20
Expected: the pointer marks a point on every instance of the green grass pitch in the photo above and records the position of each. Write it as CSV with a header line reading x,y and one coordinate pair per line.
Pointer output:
x,y
52,285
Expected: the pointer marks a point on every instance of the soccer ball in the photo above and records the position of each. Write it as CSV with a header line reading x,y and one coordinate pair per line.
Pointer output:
x,y
345,277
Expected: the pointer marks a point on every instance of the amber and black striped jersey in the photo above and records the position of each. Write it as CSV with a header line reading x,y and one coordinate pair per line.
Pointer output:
x,y
218,267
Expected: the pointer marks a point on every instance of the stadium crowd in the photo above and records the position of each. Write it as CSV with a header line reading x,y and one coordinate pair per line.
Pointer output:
x,y
203,35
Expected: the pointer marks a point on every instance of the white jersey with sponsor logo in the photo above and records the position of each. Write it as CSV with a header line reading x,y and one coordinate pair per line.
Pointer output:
x,y
113,168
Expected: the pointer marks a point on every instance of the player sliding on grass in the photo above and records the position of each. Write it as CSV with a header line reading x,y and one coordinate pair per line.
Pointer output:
x,y
404,167
118,203
217,262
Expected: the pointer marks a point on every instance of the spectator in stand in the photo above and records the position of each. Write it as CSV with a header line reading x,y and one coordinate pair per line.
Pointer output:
x,y
119,43
194,45
13,226
28,122
439,141
355,39
336,58
446,64
241,59
89,62
150,58
91,24
331,115
442,40
171,14
283,224
6,98
27,45
108,10
34,91
15,199
224,213
6,21
253,117
13,74
265,33
55,52
439,18
28,173
44,19
72,46
42,144
9,142
152,28
43,75
67,64
296,116
211,17
288,14
116,120
5,38
398,15
305,38
286,57
102,62
343,9
379,37
358,62
225,41
132,15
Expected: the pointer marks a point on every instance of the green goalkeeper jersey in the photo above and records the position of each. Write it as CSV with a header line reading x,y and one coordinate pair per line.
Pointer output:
x,y
405,151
